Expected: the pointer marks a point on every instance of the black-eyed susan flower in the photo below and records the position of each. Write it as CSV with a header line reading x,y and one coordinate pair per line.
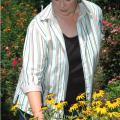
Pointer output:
x,y
88,111
14,107
80,97
112,104
50,101
101,110
32,118
118,100
64,103
81,118
50,95
98,94
82,103
96,103
113,114
73,107
118,114
44,108
58,106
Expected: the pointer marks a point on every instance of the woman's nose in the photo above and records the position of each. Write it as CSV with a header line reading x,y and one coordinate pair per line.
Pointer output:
x,y
62,4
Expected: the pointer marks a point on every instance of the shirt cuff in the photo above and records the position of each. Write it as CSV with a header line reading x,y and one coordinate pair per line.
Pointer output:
x,y
31,88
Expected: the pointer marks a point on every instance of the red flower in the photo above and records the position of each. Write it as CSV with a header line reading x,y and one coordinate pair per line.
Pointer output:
x,y
14,62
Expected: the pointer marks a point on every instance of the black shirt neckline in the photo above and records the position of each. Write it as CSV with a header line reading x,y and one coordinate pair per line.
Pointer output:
x,y
70,38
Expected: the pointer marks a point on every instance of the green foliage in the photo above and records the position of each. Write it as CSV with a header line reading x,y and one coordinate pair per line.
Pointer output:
x,y
113,89
37,3
14,21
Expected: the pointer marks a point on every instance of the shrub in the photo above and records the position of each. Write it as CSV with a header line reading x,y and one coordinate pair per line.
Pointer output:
x,y
109,64
14,21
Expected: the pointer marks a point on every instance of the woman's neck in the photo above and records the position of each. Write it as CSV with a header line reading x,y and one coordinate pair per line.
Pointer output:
x,y
70,16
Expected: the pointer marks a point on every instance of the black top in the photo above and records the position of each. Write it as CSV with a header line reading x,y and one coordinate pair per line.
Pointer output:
x,y
76,82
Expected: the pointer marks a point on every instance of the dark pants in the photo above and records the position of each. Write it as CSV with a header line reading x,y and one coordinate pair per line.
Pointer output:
x,y
22,115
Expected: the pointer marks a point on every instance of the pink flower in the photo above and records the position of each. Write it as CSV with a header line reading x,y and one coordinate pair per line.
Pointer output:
x,y
114,42
14,62
118,28
109,25
118,77
105,22
115,30
114,79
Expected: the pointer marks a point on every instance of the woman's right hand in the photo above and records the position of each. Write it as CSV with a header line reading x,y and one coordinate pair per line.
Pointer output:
x,y
34,98
39,115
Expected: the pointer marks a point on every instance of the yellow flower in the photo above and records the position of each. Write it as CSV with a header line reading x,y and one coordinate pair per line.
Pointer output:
x,y
81,118
58,106
101,110
50,95
118,114
14,107
82,103
112,104
44,108
118,100
87,112
64,103
98,94
32,118
73,107
113,114
80,97
50,101
96,103
7,29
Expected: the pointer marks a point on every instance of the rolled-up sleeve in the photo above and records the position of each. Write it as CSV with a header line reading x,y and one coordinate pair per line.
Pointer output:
x,y
34,59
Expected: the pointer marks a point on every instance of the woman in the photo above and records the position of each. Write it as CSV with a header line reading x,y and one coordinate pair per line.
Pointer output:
x,y
60,54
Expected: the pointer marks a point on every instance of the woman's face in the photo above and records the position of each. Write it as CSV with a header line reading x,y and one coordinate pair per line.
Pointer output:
x,y
64,7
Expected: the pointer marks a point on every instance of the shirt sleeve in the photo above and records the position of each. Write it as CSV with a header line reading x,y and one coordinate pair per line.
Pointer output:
x,y
34,59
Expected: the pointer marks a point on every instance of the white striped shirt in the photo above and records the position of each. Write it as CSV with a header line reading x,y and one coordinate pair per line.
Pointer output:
x,y
45,63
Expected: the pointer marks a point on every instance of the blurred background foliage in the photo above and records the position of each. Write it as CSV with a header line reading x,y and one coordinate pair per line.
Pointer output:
x,y
16,15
